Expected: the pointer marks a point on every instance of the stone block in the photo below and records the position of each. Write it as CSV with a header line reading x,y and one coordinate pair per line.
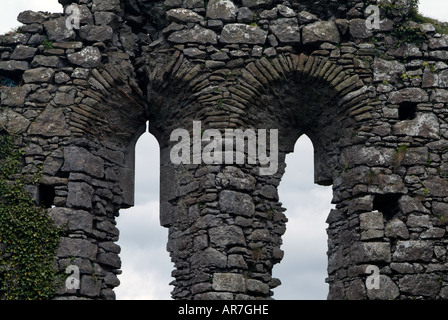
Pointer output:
x,y
230,282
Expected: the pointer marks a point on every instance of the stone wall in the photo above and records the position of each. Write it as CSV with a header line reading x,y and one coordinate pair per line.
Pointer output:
x,y
372,103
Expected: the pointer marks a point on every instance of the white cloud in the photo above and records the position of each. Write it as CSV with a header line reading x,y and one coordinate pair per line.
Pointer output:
x,y
10,9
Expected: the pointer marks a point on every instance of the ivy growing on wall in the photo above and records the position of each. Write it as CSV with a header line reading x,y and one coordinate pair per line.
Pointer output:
x,y
28,238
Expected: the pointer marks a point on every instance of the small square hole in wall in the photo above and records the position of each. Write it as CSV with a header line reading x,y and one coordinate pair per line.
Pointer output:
x,y
387,204
46,195
407,111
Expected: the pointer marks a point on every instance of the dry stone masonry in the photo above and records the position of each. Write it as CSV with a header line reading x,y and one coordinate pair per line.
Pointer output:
x,y
373,102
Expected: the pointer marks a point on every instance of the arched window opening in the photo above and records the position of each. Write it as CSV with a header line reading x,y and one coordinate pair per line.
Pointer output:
x,y
146,266
304,267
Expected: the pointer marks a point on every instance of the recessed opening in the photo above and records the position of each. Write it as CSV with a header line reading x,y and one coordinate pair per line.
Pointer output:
x,y
46,196
387,204
303,269
407,111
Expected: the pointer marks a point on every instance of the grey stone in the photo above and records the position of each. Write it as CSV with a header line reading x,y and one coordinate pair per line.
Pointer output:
x,y
358,29
196,35
70,219
425,125
245,15
73,247
256,3
420,284
437,186
57,30
90,286
236,203
13,122
388,290
223,10
226,236
413,250
371,220
257,286
321,31
106,5
183,16
51,122
38,75
286,30
396,228
389,71
13,65
14,96
243,33
208,258
22,52
231,282
30,17
96,33
408,95
89,57
371,252
78,159
80,195
306,17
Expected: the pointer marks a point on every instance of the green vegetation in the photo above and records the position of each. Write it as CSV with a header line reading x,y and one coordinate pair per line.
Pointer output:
x,y
28,238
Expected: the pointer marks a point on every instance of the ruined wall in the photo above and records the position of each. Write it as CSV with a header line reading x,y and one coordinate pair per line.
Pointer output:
x,y
373,102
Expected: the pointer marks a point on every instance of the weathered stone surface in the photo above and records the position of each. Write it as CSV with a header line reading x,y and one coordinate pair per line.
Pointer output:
x,y
223,10
183,16
38,75
72,247
420,284
389,71
236,203
13,122
13,66
321,31
413,250
77,159
286,30
371,252
88,57
23,53
57,30
388,290
30,17
396,229
231,282
226,236
208,258
425,125
96,33
243,33
71,219
50,123
437,186
80,195
196,35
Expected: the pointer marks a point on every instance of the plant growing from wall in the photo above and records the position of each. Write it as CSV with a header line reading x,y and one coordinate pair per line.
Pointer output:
x,y
28,238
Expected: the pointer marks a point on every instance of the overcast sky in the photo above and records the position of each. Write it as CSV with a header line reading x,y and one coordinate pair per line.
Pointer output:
x,y
146,264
